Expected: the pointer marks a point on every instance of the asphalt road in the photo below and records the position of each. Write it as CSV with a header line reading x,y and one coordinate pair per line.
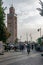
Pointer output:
x,y
34,58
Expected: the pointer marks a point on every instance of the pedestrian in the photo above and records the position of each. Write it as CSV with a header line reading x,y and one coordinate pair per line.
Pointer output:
x,y
28,48
32,46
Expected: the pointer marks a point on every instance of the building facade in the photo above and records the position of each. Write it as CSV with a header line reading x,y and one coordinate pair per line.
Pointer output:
x,y
12,25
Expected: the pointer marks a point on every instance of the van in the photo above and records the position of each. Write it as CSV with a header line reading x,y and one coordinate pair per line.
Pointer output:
x,y
1,48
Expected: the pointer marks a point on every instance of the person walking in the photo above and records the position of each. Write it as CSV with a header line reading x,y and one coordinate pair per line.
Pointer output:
x,y
32,46
28,48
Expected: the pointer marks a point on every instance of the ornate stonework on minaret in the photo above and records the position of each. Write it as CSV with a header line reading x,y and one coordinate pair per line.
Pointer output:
x,y
12,24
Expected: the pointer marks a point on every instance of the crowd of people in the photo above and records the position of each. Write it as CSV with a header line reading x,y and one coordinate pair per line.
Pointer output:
x,y
21,47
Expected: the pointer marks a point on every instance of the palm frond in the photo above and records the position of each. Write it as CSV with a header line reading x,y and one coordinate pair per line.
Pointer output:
x,y
41,2
39,9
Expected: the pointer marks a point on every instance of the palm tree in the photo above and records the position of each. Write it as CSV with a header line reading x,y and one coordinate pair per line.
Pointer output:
x,y
41,9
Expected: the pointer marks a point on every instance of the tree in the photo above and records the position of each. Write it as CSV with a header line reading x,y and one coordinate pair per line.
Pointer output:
x,y
41,9
41,13
4,34
40,40
16,40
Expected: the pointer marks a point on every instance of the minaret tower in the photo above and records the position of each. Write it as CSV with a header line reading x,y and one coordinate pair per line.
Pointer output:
x,y
12,24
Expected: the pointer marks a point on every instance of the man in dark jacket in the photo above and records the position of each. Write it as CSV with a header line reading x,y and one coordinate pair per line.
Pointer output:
x,y
28,48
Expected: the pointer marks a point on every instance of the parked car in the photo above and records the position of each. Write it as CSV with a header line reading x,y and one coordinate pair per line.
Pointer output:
x,y
37,47
16,47
11,45
41,49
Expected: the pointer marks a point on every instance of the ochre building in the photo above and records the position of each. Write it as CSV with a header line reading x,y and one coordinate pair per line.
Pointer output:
x,y
12,25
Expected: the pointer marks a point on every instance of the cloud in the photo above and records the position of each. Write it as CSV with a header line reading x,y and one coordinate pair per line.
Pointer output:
x,y
29,2
28,17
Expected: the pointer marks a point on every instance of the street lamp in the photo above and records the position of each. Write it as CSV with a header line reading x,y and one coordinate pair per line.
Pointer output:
x,y
40,31
20,38
30,37
27,36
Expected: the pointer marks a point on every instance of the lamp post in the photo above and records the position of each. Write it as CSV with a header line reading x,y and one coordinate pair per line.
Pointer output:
x,y
39,30
27,37
30,37
20,38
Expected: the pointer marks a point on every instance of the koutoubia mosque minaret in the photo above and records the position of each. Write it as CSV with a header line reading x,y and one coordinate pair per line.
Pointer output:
x,y
12,24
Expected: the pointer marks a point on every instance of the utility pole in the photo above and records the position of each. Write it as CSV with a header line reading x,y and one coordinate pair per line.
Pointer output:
x,y
27,37
40,32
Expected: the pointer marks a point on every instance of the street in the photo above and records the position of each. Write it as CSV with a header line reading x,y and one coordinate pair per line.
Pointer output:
x,y
22,58
21,32
29,61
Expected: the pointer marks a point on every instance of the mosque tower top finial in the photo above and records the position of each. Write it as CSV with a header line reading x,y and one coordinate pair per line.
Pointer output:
x,y
12,4
12,9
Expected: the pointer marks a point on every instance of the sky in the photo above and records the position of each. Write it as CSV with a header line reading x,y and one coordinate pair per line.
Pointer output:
x,y
28,18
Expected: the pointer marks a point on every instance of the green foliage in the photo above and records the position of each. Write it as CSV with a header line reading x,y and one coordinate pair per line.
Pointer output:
x,y
40,40
41,9
4,34
16,40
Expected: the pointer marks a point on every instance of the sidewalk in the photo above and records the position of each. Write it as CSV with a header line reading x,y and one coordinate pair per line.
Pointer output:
x,y
13,53
10,53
